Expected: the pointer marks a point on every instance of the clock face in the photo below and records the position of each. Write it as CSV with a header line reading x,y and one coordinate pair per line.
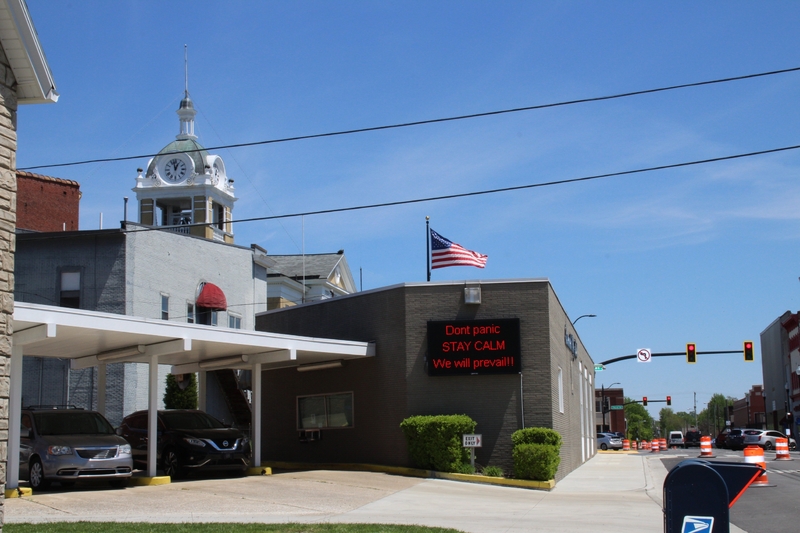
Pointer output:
x,y
175,169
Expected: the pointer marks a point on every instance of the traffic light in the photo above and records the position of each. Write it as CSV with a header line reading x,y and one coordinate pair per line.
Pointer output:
x,y
669,400
691,353
748,351
644,401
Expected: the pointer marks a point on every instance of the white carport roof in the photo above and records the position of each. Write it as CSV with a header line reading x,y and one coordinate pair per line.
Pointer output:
x,y
47,331
90,338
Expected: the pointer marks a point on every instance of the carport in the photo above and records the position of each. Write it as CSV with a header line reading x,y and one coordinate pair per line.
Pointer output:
x,y
90,338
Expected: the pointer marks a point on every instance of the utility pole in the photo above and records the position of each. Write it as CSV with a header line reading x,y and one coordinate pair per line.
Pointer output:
x,y
695,409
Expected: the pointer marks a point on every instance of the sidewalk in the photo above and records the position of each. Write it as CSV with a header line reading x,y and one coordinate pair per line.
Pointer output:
x,y
618,491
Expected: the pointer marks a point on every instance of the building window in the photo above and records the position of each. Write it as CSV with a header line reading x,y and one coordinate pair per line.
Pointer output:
x,y
190,313
560,390
164,306
234,321
325,411
70,295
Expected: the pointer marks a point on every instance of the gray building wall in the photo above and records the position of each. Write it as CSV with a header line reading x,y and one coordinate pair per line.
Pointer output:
x,y
127,273
775,369
394,384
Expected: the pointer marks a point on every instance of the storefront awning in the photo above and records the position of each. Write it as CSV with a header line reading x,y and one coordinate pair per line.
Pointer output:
x,y
212,297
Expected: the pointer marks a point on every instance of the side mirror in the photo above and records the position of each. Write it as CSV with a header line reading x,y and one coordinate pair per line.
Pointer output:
x,y
118,431
25,432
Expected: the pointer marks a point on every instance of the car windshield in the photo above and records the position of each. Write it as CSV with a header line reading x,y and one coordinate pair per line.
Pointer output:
x,y
190,420
71,423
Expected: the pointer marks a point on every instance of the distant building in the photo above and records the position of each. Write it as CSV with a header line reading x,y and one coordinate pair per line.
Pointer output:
x,y
780,363
47,204
750,411
610,420
296,279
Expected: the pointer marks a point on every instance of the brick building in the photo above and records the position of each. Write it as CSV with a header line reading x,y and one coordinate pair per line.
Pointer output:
x,y
551,387
610,419
47,204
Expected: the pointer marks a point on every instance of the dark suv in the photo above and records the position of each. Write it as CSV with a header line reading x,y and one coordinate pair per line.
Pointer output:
x,y
735,440
188,440
67,444
692,439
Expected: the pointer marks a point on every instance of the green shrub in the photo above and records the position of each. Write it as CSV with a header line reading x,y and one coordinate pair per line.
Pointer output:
x,y
465,468
181,395
536,436
492,471
434,442
538,462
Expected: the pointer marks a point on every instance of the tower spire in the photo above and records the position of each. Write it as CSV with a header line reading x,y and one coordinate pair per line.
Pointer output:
x,y
186,110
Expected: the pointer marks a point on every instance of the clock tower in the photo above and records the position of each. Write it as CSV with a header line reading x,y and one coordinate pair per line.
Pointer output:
x,y
186,189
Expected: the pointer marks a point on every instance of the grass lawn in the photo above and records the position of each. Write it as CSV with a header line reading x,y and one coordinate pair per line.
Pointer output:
x,y
126,527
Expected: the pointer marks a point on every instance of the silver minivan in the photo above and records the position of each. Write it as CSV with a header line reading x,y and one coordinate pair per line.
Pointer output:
x,y
69,444
675,439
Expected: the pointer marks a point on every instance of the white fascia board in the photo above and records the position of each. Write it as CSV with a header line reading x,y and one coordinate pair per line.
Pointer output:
x,y
35,83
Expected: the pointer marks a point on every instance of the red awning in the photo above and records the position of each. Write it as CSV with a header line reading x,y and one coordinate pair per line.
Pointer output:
x,y
212,297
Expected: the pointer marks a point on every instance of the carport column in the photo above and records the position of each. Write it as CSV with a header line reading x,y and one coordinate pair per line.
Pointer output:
x,y
101,389
152,418
14,416
201,390
255,434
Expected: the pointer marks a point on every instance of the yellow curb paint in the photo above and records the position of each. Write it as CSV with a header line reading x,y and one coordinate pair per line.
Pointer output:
x,y
150,481
19,492
258,471
417,472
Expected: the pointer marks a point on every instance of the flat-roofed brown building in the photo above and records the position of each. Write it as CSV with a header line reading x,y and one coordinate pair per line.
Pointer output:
x,y
503,352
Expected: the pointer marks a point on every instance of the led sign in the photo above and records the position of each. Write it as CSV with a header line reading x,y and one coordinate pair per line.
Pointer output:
x,y
464,347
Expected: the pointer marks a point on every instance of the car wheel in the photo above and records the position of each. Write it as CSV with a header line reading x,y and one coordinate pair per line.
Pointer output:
x,y
172,464
36,475
768,445
604,446
793,446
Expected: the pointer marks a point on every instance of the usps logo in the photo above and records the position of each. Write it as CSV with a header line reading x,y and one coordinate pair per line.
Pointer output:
x,y
698,524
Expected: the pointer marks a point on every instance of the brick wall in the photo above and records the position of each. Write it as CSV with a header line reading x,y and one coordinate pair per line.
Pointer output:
x,y
47,204
395,385
8,188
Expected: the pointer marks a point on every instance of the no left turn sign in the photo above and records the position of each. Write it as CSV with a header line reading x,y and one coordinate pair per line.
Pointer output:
x,y
643,355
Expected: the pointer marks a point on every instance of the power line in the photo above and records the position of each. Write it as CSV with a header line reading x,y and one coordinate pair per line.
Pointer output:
x,y
494,191
438,120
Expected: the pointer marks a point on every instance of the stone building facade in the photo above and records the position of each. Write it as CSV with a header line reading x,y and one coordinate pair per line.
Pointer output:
x,y
553,387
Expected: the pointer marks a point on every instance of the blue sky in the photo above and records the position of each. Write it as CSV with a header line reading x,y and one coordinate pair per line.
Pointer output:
x,y
705,254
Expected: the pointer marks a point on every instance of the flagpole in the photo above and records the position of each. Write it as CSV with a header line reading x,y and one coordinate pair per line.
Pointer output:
x,y
428,244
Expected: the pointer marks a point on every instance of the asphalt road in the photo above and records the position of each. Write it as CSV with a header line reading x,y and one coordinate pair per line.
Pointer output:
x,y
768,509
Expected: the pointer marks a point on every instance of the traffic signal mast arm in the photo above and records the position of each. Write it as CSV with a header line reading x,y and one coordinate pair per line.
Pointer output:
x,y
668,354
641,401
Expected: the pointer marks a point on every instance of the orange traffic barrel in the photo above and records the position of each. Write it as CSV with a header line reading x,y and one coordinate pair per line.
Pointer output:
x,y
705,447
755,455
626,445
662,443
782,450
654,446
634,446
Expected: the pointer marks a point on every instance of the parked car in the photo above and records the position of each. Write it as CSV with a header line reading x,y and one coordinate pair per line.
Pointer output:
x,y
766,438
609,440
675,439
720,439
67,444
735,440
692,439
188,440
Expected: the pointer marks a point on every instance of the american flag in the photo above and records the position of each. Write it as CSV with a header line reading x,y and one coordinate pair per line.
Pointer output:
x,y
445,253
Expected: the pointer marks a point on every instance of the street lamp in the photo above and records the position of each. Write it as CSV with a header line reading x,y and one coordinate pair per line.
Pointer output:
x,y
603,397
590,316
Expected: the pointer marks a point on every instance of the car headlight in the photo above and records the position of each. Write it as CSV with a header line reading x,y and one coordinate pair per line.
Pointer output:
x,y
59,450
125,449
194,442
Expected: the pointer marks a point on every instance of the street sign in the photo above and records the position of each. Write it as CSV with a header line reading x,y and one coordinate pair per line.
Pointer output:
x,y
617,407
598,368
472,441
643,355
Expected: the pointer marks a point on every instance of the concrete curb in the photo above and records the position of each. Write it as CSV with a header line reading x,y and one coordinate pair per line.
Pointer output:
x,y
415,472
143,481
